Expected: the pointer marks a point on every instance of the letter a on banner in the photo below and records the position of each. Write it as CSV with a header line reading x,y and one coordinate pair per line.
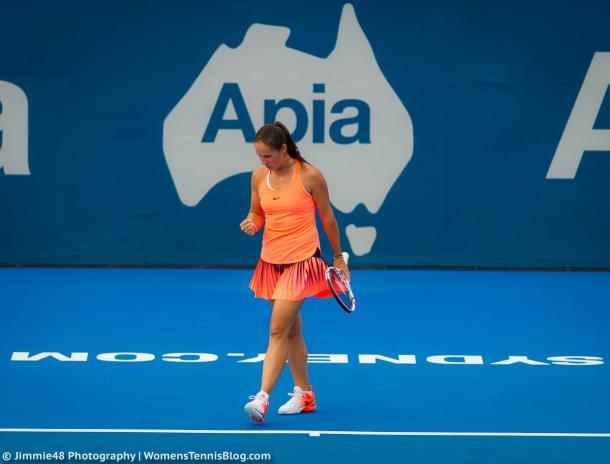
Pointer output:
x,y
579,135
13,130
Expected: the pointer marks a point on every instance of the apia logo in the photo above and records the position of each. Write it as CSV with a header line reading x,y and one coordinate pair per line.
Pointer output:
x,y
231,93
344,113
13,130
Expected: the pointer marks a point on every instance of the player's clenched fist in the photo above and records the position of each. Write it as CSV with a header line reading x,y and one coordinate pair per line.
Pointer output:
x,y
248,227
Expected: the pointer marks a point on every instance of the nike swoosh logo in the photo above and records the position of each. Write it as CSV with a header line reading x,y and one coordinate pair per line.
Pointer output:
x,y
276,198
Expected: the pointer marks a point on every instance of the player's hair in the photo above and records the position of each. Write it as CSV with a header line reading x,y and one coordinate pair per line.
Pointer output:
x,y
275,135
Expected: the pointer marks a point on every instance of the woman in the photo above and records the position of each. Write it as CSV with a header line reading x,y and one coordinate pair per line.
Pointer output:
x,y
285,193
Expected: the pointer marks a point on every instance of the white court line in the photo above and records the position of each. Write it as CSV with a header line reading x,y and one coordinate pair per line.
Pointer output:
x,y
317,433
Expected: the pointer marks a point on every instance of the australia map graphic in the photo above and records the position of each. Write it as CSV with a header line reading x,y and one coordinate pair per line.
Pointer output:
x,y
347,119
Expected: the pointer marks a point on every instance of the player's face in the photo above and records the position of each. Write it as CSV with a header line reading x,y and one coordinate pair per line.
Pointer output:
x,y
269,156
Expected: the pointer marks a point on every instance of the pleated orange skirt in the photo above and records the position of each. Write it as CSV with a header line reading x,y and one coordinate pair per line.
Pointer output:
x,y
294,282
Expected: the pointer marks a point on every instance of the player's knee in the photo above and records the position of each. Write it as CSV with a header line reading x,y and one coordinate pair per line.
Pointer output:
x,y
279,332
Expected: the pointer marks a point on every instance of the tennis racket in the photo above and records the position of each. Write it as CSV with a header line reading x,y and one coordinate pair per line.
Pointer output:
x,y
339,286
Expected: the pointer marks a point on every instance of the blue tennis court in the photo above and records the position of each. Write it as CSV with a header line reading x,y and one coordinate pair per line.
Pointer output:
x,y
158,157
433,366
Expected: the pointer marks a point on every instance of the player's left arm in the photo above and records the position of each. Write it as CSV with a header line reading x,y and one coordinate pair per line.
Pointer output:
x,y
319,192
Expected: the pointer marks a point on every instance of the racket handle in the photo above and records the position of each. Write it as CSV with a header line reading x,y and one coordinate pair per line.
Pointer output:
x,y
345,256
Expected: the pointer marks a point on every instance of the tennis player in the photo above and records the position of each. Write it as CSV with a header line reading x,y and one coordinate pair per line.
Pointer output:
x,y
286,191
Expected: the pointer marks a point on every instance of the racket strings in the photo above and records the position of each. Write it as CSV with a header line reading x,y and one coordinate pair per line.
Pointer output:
x,y
341,288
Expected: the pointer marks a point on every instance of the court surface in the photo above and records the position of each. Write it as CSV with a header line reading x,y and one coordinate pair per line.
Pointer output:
x,y
433,367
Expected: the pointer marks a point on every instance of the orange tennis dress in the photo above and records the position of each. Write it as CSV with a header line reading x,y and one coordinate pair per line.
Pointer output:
x,y
290,266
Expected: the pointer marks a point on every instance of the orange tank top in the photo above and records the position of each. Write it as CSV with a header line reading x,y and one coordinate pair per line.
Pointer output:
x,y
290,232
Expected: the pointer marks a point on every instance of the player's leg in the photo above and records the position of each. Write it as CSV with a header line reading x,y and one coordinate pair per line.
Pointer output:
x,y
257,408
297,354
283,317
302,399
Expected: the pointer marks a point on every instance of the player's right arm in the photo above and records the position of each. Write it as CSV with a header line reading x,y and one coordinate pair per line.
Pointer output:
x,y
256,216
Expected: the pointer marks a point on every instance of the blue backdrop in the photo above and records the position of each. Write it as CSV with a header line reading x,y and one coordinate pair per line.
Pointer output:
x,y
489,88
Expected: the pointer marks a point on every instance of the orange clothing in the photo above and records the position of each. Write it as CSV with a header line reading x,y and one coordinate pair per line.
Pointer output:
x,y
290,232
293,282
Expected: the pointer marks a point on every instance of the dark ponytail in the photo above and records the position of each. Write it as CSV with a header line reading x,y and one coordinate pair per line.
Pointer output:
x,y
277,134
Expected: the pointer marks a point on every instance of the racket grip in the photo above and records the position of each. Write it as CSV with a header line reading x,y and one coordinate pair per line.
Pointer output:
x,y
345,255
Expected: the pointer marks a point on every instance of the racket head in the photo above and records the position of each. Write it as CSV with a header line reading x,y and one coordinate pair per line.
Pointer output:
x,y
340,288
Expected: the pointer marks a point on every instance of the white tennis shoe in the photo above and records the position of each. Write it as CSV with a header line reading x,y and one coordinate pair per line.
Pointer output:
x,y
300,401
257,408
